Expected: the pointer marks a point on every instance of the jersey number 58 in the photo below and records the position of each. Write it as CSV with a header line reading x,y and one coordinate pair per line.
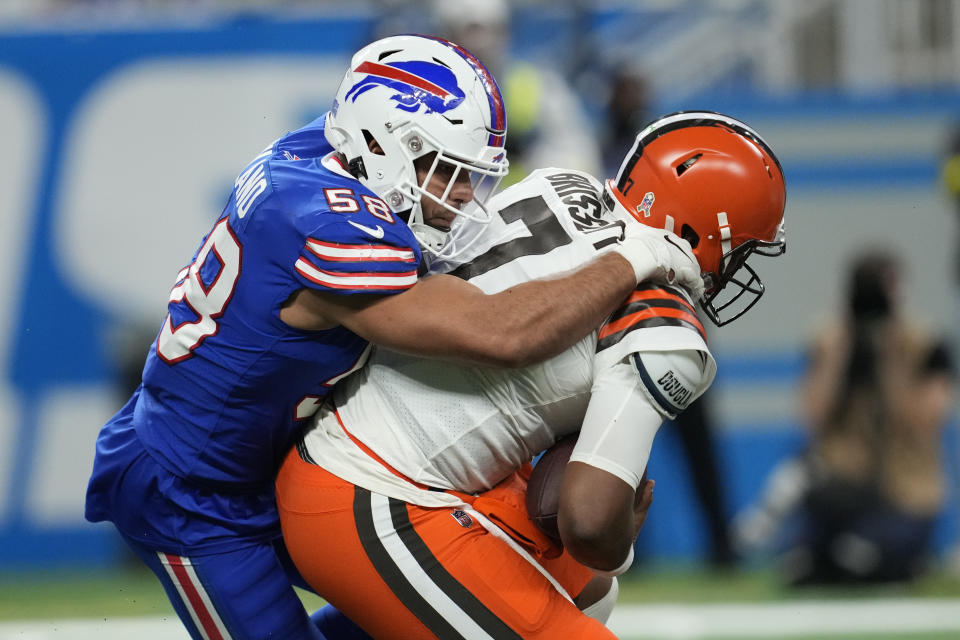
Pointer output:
x,y
204,288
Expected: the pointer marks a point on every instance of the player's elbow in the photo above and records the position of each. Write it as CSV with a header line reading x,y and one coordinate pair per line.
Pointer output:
x,y
592,540
594,516
580,533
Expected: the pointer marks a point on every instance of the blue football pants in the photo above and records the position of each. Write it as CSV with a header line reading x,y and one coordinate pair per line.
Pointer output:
x,y
244,594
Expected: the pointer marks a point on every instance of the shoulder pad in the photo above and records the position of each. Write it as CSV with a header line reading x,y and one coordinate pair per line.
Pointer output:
x,y
569,179
252,186
308,141
353,243
653,319
673,379
363,230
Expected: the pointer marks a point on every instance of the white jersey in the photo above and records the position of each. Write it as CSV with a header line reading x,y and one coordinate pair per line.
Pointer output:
x,y
405,421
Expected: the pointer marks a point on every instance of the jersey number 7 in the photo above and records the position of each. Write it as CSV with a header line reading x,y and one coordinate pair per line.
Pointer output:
x,y
545,234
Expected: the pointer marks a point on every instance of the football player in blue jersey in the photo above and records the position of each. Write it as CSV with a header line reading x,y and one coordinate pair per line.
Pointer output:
x,y
315,256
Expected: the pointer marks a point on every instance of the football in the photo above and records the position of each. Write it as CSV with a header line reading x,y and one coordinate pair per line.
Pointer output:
x,y
543,488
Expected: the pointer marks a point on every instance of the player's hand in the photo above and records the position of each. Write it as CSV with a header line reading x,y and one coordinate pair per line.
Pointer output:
x,y
657,254
641,505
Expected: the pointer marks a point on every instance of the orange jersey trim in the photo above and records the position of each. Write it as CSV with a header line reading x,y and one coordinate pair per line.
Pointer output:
x,y
657,294
646,314
653,302
386,465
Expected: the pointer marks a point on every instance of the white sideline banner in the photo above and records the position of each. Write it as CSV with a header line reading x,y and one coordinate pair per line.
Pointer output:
x,y
886,617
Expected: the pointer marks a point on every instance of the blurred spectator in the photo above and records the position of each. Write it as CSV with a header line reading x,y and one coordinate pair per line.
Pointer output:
x,y
696,429
950,177
546,122
871,485
626,110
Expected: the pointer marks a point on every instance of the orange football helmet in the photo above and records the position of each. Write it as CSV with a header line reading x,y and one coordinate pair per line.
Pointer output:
x,y
713,181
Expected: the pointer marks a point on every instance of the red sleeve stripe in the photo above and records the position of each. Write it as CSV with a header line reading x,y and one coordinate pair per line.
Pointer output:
x,y
364,280
358,252
648,313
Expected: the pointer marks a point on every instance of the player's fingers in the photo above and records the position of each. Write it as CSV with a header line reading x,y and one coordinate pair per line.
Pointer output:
x,y
644,495
642,505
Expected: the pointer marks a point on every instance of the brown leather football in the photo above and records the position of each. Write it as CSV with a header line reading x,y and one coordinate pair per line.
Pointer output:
x,y
543,488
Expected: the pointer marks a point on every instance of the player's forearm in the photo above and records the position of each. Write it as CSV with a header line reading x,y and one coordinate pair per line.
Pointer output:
x,y
603,483
536,320
445,317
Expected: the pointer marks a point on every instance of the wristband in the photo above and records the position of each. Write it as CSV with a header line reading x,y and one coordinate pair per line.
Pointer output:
x,y
621,569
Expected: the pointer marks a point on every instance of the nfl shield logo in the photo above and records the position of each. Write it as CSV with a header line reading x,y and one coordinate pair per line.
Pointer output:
x,y
646,204
462,517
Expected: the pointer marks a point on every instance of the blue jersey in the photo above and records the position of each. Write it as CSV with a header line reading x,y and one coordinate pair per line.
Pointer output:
x,y
227,384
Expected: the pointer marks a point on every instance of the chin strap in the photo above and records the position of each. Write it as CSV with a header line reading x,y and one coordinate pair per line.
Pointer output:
x,y
357,169
725,235
430,239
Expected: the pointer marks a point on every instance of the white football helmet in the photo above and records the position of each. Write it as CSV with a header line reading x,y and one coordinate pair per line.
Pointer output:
x,y
416,95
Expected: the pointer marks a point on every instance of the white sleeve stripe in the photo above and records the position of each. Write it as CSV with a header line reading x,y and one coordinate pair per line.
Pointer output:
x,y
329,251
403,569
346,280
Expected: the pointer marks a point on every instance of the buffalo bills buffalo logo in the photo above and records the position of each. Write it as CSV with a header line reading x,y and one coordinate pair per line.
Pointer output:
x,y
417,83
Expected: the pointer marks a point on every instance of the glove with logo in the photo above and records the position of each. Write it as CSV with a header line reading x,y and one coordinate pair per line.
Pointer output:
x,y
657,254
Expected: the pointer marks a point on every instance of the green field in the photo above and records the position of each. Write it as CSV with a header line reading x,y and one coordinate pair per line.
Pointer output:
x,y
136,592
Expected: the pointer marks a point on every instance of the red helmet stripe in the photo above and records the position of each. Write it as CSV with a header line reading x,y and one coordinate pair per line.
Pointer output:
x,y
386,71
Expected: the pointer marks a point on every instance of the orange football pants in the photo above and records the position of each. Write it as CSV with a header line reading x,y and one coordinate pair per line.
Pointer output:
x,y
404,571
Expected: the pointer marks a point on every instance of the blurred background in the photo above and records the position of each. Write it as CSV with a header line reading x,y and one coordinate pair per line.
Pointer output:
x,y
125,123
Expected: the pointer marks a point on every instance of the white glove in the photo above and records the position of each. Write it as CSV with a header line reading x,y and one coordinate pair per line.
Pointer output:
x,y
659,255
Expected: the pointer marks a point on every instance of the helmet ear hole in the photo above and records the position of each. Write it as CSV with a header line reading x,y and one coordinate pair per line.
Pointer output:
x,y
372,143
691,236
681,169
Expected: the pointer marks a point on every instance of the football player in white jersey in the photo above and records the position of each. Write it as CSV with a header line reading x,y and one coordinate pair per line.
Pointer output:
x,y
408,490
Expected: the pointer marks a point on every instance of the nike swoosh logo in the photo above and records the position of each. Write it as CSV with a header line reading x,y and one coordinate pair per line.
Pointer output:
x,y
376,232
670,240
